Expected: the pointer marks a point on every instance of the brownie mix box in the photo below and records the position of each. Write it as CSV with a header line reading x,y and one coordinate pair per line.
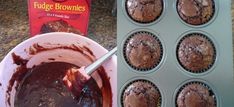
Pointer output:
x,y
58,16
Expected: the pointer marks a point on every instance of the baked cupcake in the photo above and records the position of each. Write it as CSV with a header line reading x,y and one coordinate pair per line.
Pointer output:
x,y
196,95
196,12
144,11
143,51
196,53
141,93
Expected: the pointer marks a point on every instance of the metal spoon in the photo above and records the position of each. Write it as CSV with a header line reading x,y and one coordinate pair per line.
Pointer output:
x,y
75,79
92,67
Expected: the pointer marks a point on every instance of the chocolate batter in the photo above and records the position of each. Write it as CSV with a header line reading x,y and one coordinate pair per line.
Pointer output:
x,y
43,87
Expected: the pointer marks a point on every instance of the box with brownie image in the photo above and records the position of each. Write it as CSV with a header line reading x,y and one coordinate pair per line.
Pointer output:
x,y
58,16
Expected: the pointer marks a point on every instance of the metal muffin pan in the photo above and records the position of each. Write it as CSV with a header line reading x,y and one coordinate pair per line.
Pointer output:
x,y
169,75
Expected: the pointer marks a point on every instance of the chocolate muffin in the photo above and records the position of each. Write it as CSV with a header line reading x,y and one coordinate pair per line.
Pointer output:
x,y
144,11
196,95
196,53
196,12
141,94
143,51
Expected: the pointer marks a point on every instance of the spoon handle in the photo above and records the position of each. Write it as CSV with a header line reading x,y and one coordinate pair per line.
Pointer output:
x,y
92,67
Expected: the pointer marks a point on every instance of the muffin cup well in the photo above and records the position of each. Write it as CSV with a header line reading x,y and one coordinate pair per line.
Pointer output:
x,y
199,83
128,43
202,37
191,21
159,102
157,19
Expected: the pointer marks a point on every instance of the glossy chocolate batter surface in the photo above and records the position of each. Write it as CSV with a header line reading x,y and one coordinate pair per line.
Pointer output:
x,y
43,87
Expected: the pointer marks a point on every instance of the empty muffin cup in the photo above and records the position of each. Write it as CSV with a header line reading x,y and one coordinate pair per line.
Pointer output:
x,y
196,53
144,11
196,12
143,51
195,94
141,93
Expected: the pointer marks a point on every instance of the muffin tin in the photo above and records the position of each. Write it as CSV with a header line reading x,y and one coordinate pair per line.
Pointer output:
x,y
169,76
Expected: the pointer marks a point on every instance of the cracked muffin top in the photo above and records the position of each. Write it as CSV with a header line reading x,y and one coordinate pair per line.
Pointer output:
x,y
195,12
141,94
196,53
144,11
196,95
143,51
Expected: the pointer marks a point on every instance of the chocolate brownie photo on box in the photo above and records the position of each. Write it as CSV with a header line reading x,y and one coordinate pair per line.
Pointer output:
x,y
58,26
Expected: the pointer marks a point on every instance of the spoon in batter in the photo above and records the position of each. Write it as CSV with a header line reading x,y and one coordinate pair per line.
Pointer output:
x,y
75,79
